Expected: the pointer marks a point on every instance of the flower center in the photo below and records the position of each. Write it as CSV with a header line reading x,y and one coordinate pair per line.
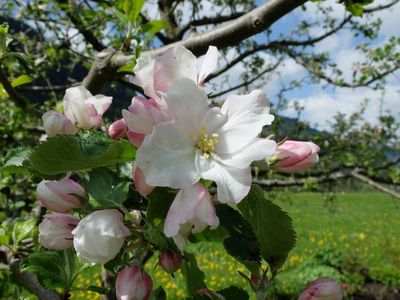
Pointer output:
x,y
205,143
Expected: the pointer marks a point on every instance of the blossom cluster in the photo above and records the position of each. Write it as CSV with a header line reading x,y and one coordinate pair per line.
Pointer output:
x,y
182,142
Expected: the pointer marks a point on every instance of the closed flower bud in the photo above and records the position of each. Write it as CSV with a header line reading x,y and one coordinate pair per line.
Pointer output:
x,y
118,129
55,231
59,196
295,156
322,289
84,109
133,283
99,236
170,261
56,123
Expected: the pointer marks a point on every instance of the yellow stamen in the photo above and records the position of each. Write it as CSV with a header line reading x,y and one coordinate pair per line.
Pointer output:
x,y
206,144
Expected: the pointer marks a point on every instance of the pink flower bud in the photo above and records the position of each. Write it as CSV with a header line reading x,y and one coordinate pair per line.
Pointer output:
x,y
322,289
295,156
56,123
59,196
140,183
170,261
55,231
133,283
118,129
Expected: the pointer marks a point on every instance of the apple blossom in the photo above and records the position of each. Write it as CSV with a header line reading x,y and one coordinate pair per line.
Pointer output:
x,y
191,211
295,156
133,283
170,261
99,236
322,289
218,144
84,109
117,129
60,196
156,76
55,231
56,123
140,183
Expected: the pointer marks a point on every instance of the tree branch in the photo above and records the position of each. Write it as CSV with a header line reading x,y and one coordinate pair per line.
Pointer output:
x,y
105,66
12,93
355,173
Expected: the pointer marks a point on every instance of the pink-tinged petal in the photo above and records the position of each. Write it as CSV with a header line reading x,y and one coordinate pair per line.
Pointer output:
x,y
257,149
187,102
322,289
117,129
192,206
140,182
233,184
56,123
100,102
209,64
167,155
144,75
174,64
142,115
246,116
133,283
295,156
135,138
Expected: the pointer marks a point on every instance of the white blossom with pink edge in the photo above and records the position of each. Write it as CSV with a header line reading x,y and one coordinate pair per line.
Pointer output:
x,y
191,211
117,129
218,144
322,289
60,196
133,283
99,236
140,182
84,109
56,123
295,156
55,231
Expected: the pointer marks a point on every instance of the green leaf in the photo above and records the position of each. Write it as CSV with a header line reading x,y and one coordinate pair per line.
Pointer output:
x,y
158,294
63,153
127,68
241,243
132,8
106,188
22,229
15,160
20,80
3,38
159,202
234,292
154,26
271,225
157,238
48,267
193,275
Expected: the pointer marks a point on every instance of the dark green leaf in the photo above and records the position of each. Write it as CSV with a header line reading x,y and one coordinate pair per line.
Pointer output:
x,y
106,188
234,292
193,275
159,202
48,266
241,242
63,153
158,294
271,225
157,238
98,289
15,160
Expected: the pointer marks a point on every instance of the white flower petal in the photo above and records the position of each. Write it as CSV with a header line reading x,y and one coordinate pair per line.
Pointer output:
x,y
233,184
144,75
167,155
174,64
246,115
187,102
209,63
100,102
257,149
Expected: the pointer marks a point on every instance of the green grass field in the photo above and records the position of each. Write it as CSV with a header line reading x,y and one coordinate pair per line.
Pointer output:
x,y
357,233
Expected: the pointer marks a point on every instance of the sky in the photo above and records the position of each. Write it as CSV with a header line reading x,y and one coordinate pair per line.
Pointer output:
x,y
322,102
